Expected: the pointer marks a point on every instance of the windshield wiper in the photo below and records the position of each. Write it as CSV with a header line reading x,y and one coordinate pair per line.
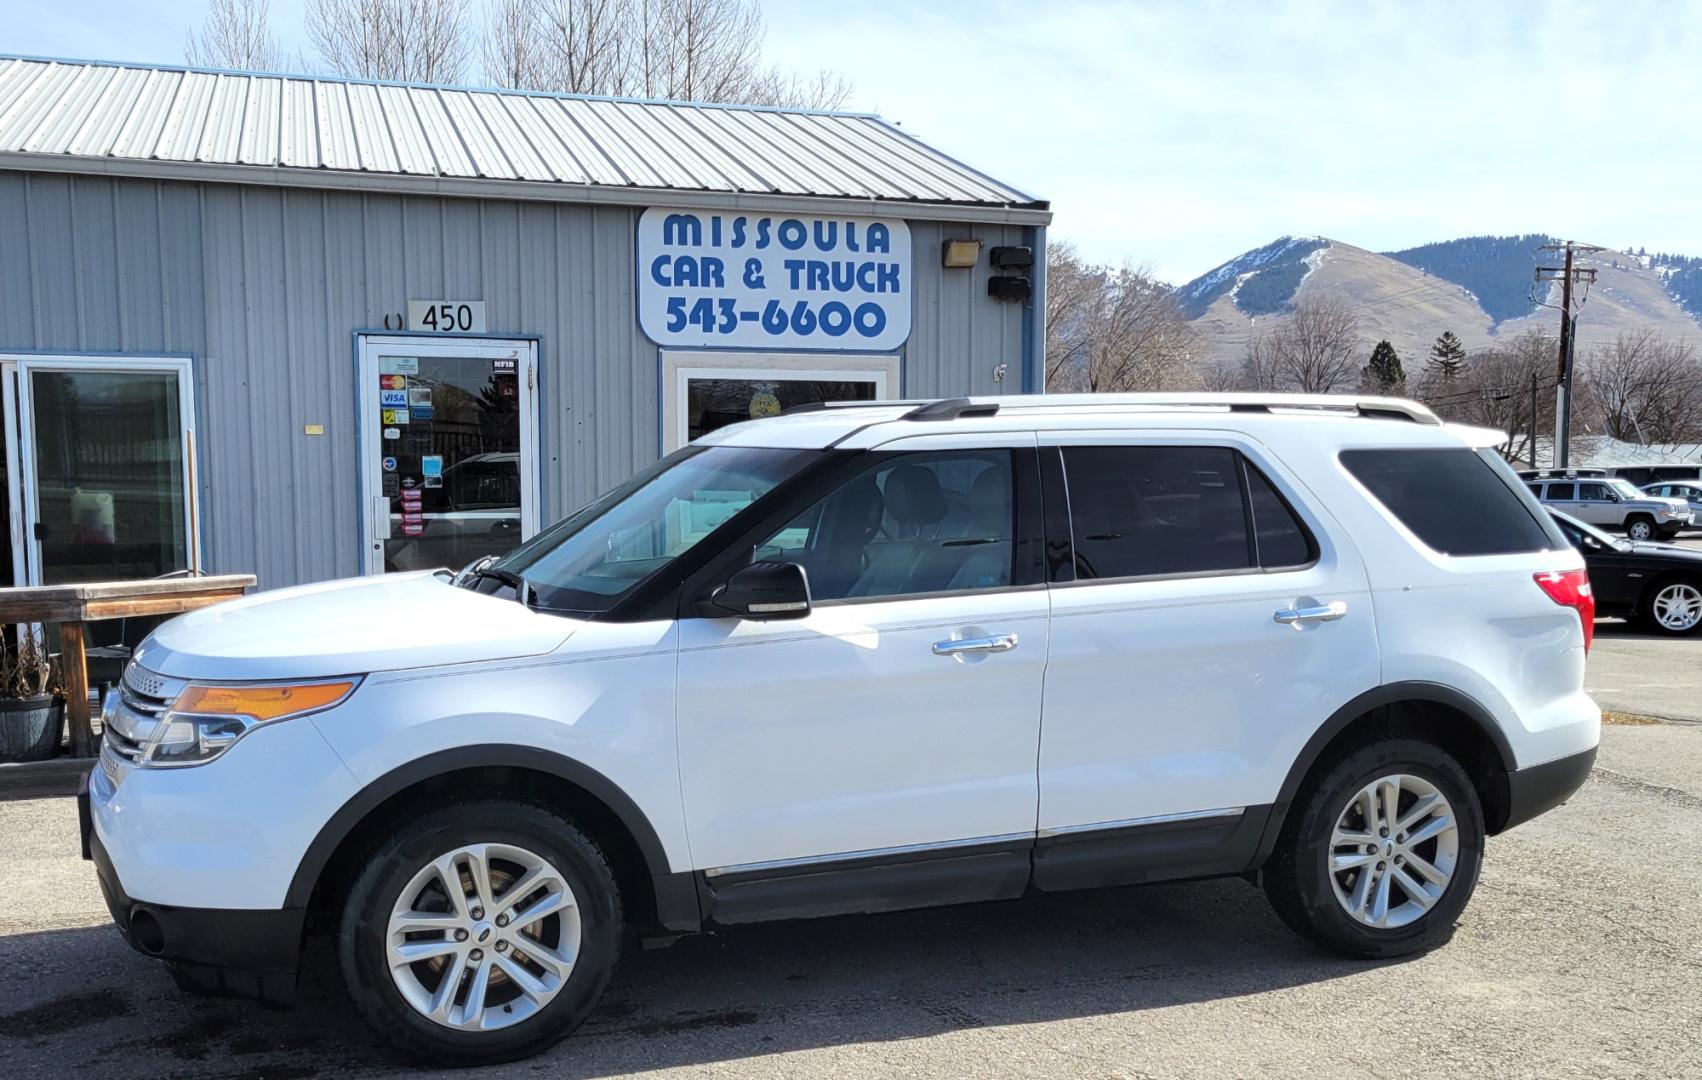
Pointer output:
x,y
484,568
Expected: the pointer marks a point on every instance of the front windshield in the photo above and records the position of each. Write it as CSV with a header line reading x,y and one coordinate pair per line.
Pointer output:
x,y
1625,489
588,561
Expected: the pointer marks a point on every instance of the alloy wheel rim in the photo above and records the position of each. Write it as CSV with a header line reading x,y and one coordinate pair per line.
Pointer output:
x,y
1678,606
483,937
1393,851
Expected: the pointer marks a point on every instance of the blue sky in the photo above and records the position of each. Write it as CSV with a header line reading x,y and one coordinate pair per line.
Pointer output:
x,y
1180,134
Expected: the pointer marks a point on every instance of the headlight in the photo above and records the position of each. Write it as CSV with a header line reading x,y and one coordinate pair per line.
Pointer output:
x,y
204,721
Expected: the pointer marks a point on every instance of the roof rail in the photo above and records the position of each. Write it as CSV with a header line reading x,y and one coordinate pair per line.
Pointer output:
x,y
824,406
952,409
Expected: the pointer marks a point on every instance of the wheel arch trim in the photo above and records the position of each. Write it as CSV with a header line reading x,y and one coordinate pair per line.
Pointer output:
x,y
370,797
1377,697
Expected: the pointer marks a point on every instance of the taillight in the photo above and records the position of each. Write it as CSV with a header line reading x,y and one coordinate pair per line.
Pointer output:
x,y
1571,588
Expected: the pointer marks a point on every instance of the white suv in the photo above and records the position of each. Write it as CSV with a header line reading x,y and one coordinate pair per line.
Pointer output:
x,y
855,659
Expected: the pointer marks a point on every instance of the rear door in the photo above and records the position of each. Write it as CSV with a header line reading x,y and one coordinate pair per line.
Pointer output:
x,y
1564,497
1205,621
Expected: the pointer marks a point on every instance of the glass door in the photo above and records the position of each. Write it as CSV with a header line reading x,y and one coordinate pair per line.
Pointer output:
x,y
448,443
105,468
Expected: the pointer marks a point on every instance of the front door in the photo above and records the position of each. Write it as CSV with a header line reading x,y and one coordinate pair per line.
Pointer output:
x,y
101,460
900,718
448,444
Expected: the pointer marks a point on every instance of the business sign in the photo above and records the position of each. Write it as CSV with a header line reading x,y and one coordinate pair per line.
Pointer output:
x,y
754,281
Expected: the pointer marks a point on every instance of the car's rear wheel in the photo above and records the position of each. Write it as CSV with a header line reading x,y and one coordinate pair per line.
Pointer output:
x,y
480,933
1674,607
1381,851
1640,527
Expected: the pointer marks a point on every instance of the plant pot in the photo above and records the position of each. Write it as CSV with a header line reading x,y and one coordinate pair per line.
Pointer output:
x,y
31,729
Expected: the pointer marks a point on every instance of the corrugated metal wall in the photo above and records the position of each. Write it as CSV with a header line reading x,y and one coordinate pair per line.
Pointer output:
x,y
264,287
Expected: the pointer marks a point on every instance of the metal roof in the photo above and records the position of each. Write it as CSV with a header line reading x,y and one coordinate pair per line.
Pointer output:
x,y
96,116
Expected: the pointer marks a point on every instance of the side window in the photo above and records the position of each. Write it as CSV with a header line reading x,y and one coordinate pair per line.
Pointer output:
x,y
1281,539
1143,510
1457,501
911,523
1563,493
1536,489
1595,492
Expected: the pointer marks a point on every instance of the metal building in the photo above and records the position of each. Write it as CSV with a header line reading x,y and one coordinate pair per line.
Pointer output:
x,y
312,328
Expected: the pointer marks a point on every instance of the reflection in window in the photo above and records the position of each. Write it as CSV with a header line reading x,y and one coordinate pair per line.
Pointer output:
x,y
915,523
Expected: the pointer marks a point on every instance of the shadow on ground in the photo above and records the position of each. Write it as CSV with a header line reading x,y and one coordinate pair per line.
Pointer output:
x,y
89,1005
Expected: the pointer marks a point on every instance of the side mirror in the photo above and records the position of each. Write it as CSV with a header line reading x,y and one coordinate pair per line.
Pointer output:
x,y
765,590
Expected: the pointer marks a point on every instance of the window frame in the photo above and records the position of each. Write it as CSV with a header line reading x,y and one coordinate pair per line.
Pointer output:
x,y
680,367
803,492
1060,517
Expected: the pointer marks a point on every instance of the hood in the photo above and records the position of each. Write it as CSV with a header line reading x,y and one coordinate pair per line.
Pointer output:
x,y
349,627
1665,551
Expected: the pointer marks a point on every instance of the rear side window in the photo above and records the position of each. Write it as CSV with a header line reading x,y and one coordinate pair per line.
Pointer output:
x,y
1137,511
1143,511
1563,493
1452,499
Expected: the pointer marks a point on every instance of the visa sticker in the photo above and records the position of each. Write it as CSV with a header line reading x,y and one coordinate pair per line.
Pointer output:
x,y
391,399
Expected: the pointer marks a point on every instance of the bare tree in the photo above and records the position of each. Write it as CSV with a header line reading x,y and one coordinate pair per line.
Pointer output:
x,y
1111,330
688,50
1495,390
236,34
1645,389
410,40
1315,350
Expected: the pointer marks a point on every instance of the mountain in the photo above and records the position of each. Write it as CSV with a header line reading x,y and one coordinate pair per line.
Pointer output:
x,y
1480,287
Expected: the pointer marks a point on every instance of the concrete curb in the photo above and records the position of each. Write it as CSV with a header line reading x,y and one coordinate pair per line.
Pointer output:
x,y
42,779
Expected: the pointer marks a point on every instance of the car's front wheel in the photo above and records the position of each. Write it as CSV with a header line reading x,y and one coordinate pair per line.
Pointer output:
x,y
1380,852
1640,527
479,933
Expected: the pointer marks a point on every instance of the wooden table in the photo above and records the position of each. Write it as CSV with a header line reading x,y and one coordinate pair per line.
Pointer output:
x,y
73,606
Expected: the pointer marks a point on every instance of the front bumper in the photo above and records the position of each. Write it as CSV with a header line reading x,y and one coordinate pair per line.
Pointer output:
x,y
1540,788
254,953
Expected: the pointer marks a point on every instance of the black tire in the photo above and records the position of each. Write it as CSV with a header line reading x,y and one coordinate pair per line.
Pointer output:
x,y
361,937
1297,878
1646,607
1641,522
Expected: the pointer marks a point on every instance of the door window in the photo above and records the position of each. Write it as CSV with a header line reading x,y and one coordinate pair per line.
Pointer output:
x,y
1137,511
1563,493
1593,493
107,450
912,523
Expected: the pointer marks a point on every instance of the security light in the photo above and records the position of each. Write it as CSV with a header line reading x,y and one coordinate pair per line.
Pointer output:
x,y
960,254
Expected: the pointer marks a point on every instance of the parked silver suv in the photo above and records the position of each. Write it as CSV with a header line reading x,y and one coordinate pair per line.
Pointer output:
x,y
1612,503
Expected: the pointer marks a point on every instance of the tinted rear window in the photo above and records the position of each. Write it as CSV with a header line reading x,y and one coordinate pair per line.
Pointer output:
x,y
1452,499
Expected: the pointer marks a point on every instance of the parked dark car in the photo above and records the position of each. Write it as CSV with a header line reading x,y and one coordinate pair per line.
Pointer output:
x,y
1659,584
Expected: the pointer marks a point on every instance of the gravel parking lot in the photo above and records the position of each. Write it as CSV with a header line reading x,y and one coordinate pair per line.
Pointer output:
x,y
1581,956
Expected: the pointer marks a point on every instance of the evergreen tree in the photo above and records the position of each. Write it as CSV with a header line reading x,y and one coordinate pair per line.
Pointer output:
x,y
1383,375
1447,356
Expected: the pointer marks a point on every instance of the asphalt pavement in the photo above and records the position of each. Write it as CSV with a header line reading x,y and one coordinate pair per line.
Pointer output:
x,y
1580,956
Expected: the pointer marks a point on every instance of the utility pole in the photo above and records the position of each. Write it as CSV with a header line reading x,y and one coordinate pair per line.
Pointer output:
x,y
1567,276
1533,424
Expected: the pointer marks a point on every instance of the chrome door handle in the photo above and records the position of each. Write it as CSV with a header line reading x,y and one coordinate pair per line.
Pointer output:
x,y
959,646
1329,612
